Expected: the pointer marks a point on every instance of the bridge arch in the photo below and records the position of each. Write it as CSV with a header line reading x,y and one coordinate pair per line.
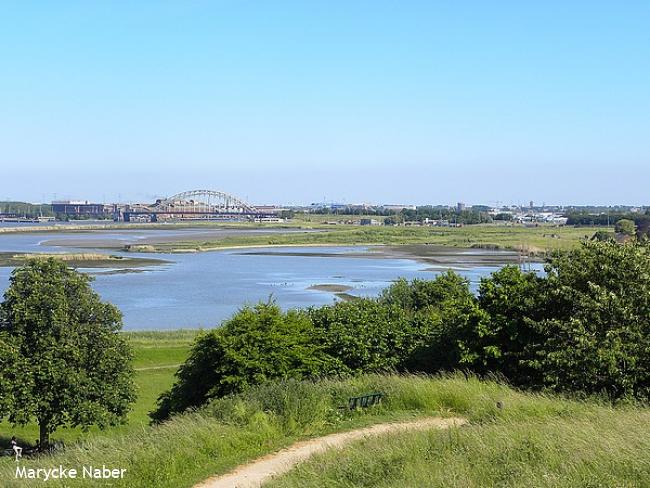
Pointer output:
x,y
193,205
204,201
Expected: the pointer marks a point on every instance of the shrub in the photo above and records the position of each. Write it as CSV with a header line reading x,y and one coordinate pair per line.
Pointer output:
x,y
597,324
257,344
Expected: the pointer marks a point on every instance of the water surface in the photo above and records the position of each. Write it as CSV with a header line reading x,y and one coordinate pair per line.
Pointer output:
x,y
202,289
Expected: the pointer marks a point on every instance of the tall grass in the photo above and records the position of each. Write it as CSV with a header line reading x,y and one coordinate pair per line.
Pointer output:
x,y
232,430
604,449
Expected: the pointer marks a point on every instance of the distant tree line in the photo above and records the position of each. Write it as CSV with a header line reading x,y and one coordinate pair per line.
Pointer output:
x,y
474,215
583,326
354,210
640,220
28,210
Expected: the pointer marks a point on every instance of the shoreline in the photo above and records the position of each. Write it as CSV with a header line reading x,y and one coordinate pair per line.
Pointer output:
x,y
113,226
454,257
115,264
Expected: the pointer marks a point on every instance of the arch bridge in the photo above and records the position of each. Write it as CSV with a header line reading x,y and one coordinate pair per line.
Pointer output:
x,y
195,205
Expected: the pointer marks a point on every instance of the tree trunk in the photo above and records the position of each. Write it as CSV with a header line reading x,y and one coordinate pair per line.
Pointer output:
x,y
44,440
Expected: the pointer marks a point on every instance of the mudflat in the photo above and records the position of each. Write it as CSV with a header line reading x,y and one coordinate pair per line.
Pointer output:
x,y
179,235
430,254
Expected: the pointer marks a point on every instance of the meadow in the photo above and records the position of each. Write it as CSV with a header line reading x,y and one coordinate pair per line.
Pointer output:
x,y
532,240
513,439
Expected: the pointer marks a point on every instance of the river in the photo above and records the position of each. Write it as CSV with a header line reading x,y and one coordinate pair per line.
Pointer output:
x,y
202,289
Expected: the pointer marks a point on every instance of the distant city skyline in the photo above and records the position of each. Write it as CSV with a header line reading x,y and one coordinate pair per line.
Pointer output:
x,y
298,102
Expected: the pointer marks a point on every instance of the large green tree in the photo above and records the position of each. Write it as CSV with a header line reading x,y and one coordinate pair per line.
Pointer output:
x,y
418,295
63,362
597,324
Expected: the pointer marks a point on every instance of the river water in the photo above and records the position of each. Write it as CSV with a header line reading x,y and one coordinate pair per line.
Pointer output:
x,y
202,289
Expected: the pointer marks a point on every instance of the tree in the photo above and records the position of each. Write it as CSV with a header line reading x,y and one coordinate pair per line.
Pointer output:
x,y
63,360
597,327
444,321
514,303
287,214
626,227
256,345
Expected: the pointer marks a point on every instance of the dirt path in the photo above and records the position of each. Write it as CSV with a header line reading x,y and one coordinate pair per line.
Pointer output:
x,y
254,474
150,368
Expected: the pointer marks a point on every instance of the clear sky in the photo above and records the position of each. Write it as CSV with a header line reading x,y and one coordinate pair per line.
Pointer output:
x,y
351,101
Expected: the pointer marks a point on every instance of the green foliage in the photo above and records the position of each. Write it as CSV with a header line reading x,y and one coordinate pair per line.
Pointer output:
x,y
447,315
287,214
476,215
626,227
63,361
533,239
602,236
27,210
419,295
597,325
257,344
364,335
513,302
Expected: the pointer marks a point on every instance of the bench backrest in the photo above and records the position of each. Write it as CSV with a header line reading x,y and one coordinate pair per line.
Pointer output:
x,y
364,401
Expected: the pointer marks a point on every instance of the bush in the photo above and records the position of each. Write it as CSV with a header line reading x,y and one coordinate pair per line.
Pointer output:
x,y
513,301
419,295
367,336
597,324
256,345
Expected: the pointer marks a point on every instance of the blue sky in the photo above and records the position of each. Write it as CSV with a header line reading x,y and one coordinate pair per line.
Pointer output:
x,y
296,102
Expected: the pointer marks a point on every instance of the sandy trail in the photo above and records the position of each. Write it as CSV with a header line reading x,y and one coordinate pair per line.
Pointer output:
x,y
151,368
254,474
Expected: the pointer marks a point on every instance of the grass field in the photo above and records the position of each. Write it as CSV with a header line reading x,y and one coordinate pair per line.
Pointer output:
x,y
532,440
534,240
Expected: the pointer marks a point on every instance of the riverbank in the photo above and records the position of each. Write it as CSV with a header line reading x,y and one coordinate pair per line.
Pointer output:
x,y
81,226
210,236
83,260
531,241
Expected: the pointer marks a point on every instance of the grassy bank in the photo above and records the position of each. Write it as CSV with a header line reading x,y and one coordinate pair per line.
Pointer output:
x,y
72,227
81,260
533,440
595,447
533,240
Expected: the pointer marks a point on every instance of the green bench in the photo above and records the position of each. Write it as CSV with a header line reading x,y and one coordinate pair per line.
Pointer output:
x,y
364,401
